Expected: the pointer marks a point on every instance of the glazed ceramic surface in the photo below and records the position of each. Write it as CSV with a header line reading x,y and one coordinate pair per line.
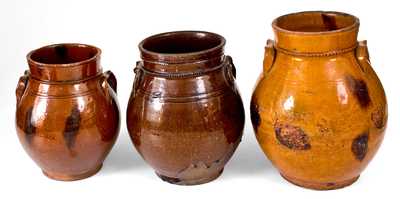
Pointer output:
x,y
185,115
319,110
67,116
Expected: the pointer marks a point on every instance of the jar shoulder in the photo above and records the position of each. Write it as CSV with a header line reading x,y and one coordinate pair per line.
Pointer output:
x,y
338,79
211,82
88,105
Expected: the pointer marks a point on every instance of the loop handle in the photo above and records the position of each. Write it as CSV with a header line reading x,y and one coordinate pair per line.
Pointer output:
x,y
108,80
269,56
362,55
21,86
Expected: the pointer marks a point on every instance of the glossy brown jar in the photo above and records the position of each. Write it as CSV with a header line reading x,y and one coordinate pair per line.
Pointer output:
x,y
185,115
67,115
319,110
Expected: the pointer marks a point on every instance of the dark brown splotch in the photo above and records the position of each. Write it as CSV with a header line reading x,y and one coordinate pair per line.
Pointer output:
x,y
72,125
360,146
359,89
30,129
291,136
329,22
255,115
377,118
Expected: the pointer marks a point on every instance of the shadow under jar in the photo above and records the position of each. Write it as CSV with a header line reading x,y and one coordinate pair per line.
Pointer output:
x,y
67,115
185,115
319,110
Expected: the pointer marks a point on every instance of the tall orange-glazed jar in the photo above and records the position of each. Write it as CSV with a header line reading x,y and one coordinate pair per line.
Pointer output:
x,y
67,115
319,110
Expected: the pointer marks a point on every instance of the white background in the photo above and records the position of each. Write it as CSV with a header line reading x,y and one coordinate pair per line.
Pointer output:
x,y
118,26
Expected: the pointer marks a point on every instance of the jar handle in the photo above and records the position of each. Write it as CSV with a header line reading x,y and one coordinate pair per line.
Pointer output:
x,y
21,86
269,56
138,73
362,55
108,79
231,66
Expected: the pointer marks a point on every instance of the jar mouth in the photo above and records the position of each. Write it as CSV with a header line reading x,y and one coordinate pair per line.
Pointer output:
x,y
63,55
315,22
181,45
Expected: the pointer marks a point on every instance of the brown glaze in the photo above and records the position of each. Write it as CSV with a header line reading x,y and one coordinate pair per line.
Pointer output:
x,y
319,110
67,115
185,115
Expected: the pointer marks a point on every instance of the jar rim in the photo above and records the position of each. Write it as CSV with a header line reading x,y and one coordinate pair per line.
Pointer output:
x,y
94,54
349,22
181,46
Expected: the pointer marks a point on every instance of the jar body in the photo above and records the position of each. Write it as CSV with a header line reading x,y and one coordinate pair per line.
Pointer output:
x,y
67,127
319,119
186,128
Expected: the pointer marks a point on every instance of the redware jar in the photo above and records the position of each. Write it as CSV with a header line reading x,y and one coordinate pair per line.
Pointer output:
x,y
319,110
185,115
67,116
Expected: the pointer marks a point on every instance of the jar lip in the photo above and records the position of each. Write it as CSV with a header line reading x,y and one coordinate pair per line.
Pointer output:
x,y
92,58
215,41
353,26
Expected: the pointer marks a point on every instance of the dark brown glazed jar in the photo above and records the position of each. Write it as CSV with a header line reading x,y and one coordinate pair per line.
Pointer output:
x,y
67,115
185,115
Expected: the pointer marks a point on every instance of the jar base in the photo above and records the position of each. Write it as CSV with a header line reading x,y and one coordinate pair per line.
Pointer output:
x,y
203,180
320,186
66,177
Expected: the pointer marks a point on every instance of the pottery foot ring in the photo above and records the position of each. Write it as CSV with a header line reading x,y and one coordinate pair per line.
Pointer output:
x,y
320,185
67,177
205,178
